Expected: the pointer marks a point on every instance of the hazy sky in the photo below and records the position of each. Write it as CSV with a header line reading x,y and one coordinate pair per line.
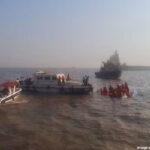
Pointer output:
x,y
73,33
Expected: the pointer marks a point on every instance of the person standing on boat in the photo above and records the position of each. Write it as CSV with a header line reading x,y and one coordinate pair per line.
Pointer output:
x,y
59,80
85,80
63,79
68,77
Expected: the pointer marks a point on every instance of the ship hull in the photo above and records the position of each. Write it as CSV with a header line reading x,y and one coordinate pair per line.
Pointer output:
x,y
108,75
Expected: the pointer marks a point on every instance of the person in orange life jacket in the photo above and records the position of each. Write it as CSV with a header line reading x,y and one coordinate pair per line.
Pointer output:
x,y
101,91
68,77
110,91
110,88
59,79
122,90
117,91
114,93
63,79
125,90
110,94
104,91
126,86
127,93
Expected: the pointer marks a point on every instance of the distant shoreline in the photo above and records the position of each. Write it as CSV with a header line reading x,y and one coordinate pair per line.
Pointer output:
x,y
136,68
124,68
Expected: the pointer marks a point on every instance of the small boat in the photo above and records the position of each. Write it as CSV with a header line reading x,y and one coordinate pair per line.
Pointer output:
x,y
9,91
55,83
110,69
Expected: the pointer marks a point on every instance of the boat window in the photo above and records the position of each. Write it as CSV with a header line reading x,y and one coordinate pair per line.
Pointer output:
x,y
47,78
39,78
54,78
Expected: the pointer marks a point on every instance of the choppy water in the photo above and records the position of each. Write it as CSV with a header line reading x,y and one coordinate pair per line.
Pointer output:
x,y
78,122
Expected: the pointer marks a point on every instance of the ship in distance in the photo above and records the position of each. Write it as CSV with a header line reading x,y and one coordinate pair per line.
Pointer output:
x,y
111,69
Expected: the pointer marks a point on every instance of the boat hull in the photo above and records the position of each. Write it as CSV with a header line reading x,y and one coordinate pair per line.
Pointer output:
x,y
10,97
59,89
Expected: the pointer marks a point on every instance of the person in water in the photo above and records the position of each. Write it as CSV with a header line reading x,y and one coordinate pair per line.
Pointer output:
x,y
105,91
111,91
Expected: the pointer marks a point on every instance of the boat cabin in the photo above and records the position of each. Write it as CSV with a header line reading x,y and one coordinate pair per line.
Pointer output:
x,y
43,77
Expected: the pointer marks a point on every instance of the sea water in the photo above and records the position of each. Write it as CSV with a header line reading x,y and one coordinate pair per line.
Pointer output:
x,y
77,122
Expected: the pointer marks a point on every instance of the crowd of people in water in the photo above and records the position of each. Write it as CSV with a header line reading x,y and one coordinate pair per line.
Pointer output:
x,y
119,91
